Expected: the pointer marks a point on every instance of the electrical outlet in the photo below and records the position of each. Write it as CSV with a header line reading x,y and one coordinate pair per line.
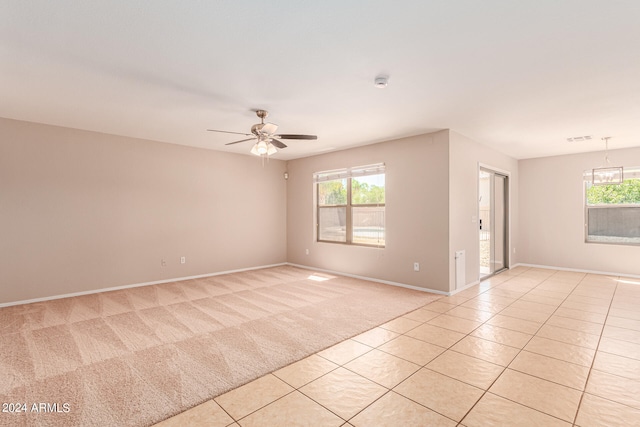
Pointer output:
x,y
183,260
306,251
163,263
416,266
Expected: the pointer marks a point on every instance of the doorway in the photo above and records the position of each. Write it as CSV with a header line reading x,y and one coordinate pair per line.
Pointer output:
x,y
493,204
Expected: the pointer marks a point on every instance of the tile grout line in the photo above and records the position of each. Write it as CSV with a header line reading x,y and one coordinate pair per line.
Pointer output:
x,y
600,336
449,348
505,368
575,418
390,390
534,335
521,349
466,335
282,397
298,389
418,403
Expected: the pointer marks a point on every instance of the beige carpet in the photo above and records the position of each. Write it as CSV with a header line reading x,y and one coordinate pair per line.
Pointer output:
x,y
134,357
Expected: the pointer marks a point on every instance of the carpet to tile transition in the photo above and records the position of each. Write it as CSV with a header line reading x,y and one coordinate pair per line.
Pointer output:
x,y
137,356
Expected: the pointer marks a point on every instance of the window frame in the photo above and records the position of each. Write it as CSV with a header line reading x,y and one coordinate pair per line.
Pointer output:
x,y
320,207
349,174
630,173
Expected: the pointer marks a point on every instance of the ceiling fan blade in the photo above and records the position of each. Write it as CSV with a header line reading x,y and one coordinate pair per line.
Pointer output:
x,y
269,128
242,140
293,136
277,143
226,131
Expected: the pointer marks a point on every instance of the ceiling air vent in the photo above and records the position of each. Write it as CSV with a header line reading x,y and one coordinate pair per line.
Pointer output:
x,y
580,138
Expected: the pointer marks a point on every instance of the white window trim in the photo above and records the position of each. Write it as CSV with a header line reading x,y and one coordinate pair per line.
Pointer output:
x,y
629,173
338,174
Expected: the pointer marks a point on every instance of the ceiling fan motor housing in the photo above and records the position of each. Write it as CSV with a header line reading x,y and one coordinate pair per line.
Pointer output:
x,y
255,129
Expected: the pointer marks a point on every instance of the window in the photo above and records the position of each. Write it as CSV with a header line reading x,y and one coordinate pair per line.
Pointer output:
x,y
612,211
351,205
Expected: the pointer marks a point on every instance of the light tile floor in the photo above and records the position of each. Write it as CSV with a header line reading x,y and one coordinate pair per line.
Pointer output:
x,y
528,347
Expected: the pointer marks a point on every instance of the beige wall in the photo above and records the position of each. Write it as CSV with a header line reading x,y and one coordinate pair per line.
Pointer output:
x,y
552,214
416,213
464,159
81,211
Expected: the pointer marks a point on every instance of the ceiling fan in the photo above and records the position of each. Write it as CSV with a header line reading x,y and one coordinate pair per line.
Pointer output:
x,y
265,136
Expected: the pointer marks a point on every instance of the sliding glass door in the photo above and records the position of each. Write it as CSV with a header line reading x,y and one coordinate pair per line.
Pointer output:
x,y
493,221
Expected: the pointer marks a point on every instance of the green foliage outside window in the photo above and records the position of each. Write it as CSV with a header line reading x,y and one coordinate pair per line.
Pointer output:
x,y
619,194
363,193
332,192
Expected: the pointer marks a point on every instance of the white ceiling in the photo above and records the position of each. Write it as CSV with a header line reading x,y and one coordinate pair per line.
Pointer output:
x,y
520,76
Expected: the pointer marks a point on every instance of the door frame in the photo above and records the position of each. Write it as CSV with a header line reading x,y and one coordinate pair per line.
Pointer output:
x,y
507,222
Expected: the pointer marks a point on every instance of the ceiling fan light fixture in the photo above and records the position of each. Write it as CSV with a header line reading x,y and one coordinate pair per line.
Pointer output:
x,y
258,150
263,148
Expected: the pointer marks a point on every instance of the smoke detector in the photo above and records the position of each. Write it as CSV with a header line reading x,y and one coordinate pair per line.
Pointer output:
x,y
381,81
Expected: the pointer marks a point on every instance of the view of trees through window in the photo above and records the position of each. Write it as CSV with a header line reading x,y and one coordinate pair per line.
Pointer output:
x,y
355,216
367,191
332,192
620,194
363,191
613,211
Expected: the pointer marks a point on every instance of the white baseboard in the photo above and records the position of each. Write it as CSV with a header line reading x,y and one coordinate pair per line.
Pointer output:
x,y
371,279
136,285
576,270
477,282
